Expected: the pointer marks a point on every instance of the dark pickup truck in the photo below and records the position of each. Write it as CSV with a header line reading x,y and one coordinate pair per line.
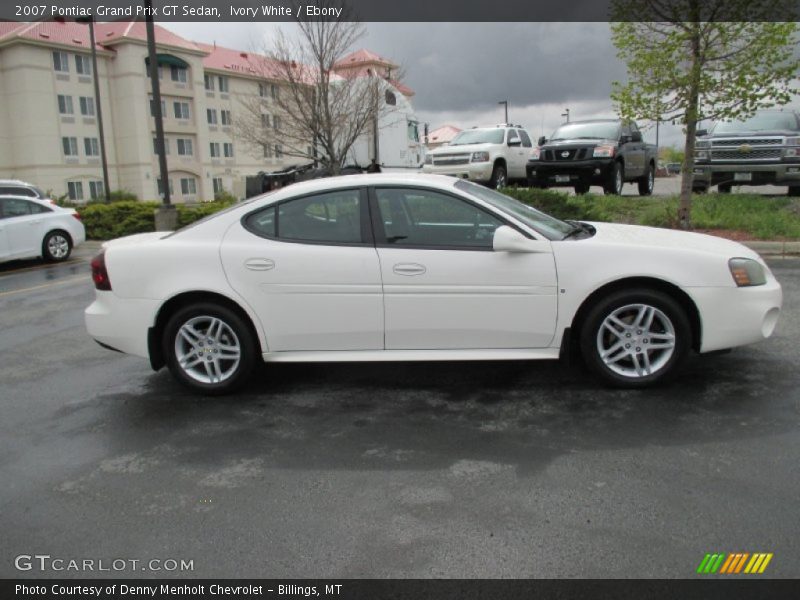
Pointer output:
x,y
605,152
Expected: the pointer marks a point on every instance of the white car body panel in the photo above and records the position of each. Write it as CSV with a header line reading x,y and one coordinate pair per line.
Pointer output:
x,y
347,303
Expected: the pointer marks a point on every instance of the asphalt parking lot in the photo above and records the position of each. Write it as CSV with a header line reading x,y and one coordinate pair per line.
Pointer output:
x,y
504,469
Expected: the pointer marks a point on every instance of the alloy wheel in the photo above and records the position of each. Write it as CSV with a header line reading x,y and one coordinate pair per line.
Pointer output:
x,y
207,349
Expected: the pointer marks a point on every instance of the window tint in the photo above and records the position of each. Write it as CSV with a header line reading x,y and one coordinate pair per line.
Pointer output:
x,y
334,217
17,191
414,217
15,208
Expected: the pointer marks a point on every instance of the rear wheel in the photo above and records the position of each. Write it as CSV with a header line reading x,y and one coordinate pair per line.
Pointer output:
x,y
647,182
635,338
499,177
794,190
699,189
616,179
581,188
724,188
209,348
57,246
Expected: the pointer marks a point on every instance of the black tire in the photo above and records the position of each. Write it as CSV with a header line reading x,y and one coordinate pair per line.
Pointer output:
x,y
647,181
210,350
581,188
794,190
724,188
616,180
699,189
57,246
595,337
499,177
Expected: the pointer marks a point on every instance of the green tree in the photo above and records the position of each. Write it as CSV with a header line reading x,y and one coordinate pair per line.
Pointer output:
x,y
691,60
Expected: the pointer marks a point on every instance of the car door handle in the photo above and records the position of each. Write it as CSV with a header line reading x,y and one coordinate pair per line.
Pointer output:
x,y
409,269
259,264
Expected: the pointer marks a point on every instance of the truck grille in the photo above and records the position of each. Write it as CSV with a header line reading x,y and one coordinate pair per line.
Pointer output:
x,y
750,141
564,154
451,159
753,154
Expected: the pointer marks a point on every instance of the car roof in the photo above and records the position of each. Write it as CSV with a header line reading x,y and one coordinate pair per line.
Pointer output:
x,y
16,182
442,182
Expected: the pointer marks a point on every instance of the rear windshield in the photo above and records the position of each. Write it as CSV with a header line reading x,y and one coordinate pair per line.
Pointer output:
x,y
479,136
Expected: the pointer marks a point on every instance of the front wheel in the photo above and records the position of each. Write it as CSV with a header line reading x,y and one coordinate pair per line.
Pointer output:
x,y
209,348
724,188
56,246
794,190
499,177
647,182
615,181
582,188
635,338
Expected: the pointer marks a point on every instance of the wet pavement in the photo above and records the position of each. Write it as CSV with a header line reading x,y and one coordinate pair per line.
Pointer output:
x,y
506,469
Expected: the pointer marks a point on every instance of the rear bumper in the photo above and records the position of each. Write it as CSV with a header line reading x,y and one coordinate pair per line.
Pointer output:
x,y
586,172
473,171
760,174
734,316
121,323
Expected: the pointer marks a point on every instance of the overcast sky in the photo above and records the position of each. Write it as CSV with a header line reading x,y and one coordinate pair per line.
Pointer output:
x,y
460,71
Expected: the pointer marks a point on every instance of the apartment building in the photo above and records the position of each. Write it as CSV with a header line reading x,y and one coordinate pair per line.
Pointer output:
x,y
48,118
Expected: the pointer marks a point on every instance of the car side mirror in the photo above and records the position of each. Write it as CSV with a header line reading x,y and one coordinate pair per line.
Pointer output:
x,y
624,139
514,141
636,136
508,239
701,132
542,141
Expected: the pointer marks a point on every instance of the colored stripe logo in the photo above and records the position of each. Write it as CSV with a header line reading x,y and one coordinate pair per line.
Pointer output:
x,y
735,563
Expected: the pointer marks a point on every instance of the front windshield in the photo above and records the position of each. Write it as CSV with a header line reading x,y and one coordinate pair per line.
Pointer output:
x,y
479,136
577,131
548,226
767,121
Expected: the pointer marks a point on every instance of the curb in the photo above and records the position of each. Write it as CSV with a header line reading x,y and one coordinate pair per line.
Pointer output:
x,y
775,248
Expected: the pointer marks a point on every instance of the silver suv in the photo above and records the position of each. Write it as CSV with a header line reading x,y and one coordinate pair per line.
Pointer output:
x,y
14,187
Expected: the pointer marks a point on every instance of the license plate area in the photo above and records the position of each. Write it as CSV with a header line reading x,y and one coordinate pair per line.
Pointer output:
x,y
562,178
743,177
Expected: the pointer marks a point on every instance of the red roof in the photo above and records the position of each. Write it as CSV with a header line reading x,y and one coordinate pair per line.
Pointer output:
x,y
64,33
109,33
362,57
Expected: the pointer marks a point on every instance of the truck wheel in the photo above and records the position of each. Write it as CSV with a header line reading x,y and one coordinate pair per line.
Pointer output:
x,y
699,189
581,188
614,185
499,177
647,182
794,190
724,188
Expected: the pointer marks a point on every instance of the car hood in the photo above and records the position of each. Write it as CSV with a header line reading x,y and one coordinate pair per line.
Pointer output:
x,y
572,142
636,235
135,239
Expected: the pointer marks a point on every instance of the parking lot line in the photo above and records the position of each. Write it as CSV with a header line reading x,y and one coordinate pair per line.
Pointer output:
x,y
46,285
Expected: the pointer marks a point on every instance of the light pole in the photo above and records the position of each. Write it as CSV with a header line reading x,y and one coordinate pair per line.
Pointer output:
x,y
566,114
98,108
505,105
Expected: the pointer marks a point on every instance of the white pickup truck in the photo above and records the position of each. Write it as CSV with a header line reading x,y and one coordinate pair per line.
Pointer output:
x,y
490,155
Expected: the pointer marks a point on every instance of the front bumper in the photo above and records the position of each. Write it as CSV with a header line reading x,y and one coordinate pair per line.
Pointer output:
x,y
121,323
580,172
759,174
736,316
473,171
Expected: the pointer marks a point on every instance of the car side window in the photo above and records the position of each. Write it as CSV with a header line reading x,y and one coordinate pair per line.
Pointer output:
x,y
14,207
429,219
333,217
526,140
38,209
17,191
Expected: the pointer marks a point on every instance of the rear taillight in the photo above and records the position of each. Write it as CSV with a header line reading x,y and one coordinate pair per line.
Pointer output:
x,y
77,215
100,273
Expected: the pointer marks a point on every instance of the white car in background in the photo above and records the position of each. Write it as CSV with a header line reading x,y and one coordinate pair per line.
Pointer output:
x,y
391,267
32,228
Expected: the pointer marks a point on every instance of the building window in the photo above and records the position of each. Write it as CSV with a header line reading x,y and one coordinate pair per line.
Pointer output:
x,y
91,147
155,146
188,186
265,121
60,62
185,147
223,84
153,108
226,117
96,190
147,71
262,90
209,82
217,182
65,104
181,110
391,99
75,190
278,151
276,123
160,187
227,148
267,150
70,146
214,147
274,91
83,65
211,115
179,74
87,106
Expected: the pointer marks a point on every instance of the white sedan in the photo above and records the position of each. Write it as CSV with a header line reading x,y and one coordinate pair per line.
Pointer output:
x,y
32,228
421,267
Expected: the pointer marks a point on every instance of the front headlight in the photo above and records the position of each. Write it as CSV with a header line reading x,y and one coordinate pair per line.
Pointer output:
x,y
702,144
536,153
747,272
605,151
428,159
792,141
701,155
480,157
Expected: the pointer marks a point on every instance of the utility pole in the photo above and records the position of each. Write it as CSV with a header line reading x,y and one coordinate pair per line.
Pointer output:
x,y
566,114
505,105
98,109
166,216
